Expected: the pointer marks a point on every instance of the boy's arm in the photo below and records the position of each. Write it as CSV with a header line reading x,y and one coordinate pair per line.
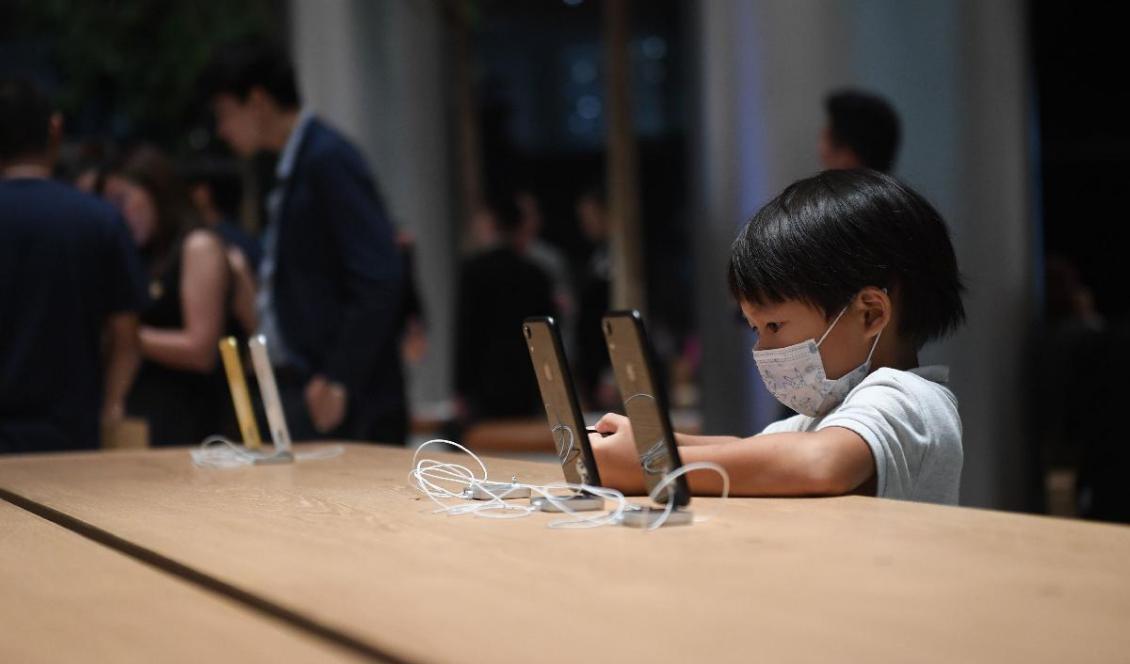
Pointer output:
x,y
829,462
688,440
612,423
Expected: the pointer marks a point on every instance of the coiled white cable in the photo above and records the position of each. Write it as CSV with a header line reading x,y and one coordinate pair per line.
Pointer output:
x,y
434,479
669,505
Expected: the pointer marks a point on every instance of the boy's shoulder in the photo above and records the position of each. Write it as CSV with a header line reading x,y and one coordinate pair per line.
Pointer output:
x,y
917,399
929,382
911,422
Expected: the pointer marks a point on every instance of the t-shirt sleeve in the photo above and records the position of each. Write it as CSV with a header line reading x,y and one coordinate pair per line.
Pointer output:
x,y
914,433
124,281
787,425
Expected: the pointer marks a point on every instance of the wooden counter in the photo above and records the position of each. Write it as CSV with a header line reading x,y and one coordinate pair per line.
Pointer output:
x,y
348,547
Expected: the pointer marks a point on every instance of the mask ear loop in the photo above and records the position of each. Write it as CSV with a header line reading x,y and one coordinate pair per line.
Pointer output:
x,y
829,330
878,336
874,344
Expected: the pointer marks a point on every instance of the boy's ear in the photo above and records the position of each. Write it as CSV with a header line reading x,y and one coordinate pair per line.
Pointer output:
x,y
875,304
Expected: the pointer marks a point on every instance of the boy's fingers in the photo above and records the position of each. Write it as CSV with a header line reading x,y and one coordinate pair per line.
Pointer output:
x,y
610,423
606,424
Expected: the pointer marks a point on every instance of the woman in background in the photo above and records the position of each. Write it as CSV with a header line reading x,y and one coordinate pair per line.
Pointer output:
x,y
179,389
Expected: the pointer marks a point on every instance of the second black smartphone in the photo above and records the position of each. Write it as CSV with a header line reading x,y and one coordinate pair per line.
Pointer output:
x,y
645,402
562,409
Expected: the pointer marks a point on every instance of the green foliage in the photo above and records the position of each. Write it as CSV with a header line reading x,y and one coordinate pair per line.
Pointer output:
x,y
140,58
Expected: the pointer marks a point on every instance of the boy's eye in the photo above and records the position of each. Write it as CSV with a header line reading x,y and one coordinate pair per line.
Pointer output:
x,y
773,327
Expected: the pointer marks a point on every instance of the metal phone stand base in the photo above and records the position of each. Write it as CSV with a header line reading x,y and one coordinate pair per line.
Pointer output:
x,y
493,490
578,502
646,517
277,457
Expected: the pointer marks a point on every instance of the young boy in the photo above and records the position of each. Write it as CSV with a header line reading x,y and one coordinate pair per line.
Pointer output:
x,y
843,278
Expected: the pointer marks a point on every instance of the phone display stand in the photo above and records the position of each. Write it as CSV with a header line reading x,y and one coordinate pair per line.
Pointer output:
x,y
646,517
492,490
277,457
578,502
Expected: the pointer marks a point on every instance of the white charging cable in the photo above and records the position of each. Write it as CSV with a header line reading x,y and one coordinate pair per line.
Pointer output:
x,y
664,483
436,479
220,452
441,481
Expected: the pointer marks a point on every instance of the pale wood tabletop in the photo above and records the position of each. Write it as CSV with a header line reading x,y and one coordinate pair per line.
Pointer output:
x,y
347,544
64,598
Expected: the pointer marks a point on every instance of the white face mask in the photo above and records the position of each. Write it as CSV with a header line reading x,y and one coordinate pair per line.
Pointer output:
x,y
795,375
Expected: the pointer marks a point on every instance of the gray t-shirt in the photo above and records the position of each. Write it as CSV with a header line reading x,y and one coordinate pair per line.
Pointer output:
x,y
909,419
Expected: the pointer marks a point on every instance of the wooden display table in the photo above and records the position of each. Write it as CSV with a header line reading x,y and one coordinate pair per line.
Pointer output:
x,y
344,550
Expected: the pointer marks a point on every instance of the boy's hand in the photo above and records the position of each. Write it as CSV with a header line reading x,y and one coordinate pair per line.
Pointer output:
x,y
616,455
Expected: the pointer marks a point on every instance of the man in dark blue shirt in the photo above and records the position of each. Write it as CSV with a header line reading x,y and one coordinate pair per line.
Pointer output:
x,y
70,287
330,277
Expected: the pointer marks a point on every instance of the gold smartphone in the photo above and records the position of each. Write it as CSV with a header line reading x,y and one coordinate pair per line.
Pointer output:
x,y
240,398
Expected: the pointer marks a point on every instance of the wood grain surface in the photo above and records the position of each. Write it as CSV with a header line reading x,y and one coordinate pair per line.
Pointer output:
x,y
64,598
348,544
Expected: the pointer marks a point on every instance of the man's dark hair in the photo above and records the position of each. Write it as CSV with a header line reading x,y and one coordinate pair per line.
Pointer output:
x,y
507,216
25,118
865,123
240,66
825,238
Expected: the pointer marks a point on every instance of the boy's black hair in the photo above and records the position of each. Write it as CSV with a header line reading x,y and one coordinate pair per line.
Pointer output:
x,y
238,67
867,124
25,119
825,238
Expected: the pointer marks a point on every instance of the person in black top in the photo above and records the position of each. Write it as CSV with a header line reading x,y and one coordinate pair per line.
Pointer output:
x,y
179,389
215,192
70,287
498,289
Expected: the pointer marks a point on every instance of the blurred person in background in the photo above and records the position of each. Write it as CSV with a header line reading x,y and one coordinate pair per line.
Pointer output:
x,y
179,390
414,330
87,165
593,366
862,131
1082,360
545,255
498,289
483,233
215,193
330,280
70,289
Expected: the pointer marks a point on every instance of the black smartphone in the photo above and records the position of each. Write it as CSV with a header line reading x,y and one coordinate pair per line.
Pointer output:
x,y
562,410
645,402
